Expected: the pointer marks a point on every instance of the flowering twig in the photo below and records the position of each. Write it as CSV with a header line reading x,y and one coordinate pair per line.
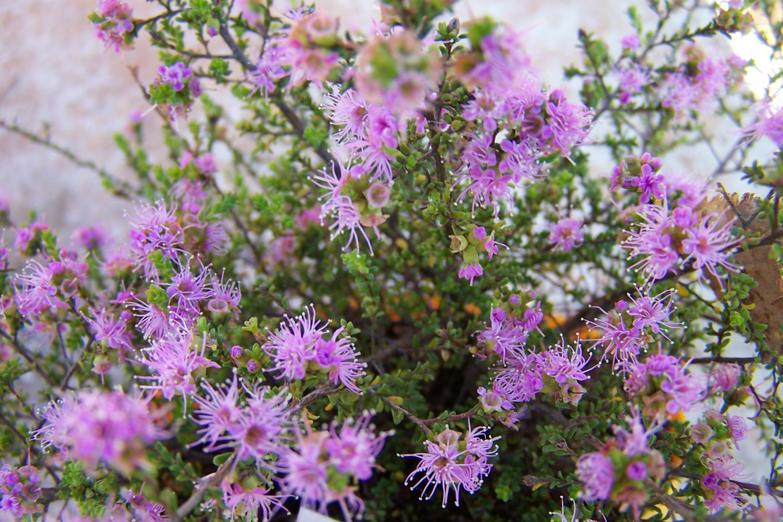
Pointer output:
x,y
201,489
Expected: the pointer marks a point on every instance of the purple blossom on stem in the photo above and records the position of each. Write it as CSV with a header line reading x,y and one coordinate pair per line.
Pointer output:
x,y
222,296
653,244
346,454
216,412
154,228
111,330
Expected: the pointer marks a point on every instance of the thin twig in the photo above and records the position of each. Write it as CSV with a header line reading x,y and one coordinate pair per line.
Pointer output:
x,y
117,187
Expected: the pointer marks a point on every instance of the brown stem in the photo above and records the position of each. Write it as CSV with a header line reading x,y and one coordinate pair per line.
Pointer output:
x,y
201,489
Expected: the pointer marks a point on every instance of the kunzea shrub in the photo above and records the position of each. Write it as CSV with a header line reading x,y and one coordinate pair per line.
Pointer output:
x,y
377,275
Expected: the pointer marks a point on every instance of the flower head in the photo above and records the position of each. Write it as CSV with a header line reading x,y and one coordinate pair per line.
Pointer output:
x,y
96,426
172,362
453,462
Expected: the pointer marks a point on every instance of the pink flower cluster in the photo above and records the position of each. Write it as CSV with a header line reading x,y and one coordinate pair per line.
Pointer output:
x,y
621,470
299,53
49,287
95,426
353,201
507,95
20,489
302,342
720,434
699,80
115,21
453,462
173,364
666,385
631,326
522,373
326,466
671,238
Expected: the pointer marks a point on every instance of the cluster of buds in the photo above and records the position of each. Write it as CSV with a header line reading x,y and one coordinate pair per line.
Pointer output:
x,y
471,245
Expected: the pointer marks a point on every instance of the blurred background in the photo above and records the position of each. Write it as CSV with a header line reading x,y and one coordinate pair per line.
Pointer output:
x,y
58,78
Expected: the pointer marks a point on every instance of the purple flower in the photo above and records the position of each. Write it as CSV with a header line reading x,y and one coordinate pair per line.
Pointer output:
x,y
97,426
249,502
596,473
176,75
769,123
154,228
144,510
322,464
110,330
721,491
186,290
270,67
222,296
630,42
710,244
652,312
348,215
631,81
618,341
506,335
452,465
339,357
36,290
352,449
726,376
20,489
172,362
152,321
563,363
567,124
301,340
91,238
636,470
666,372
566,234
470,271
216,412
263,428
653,244
291,345
116,24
